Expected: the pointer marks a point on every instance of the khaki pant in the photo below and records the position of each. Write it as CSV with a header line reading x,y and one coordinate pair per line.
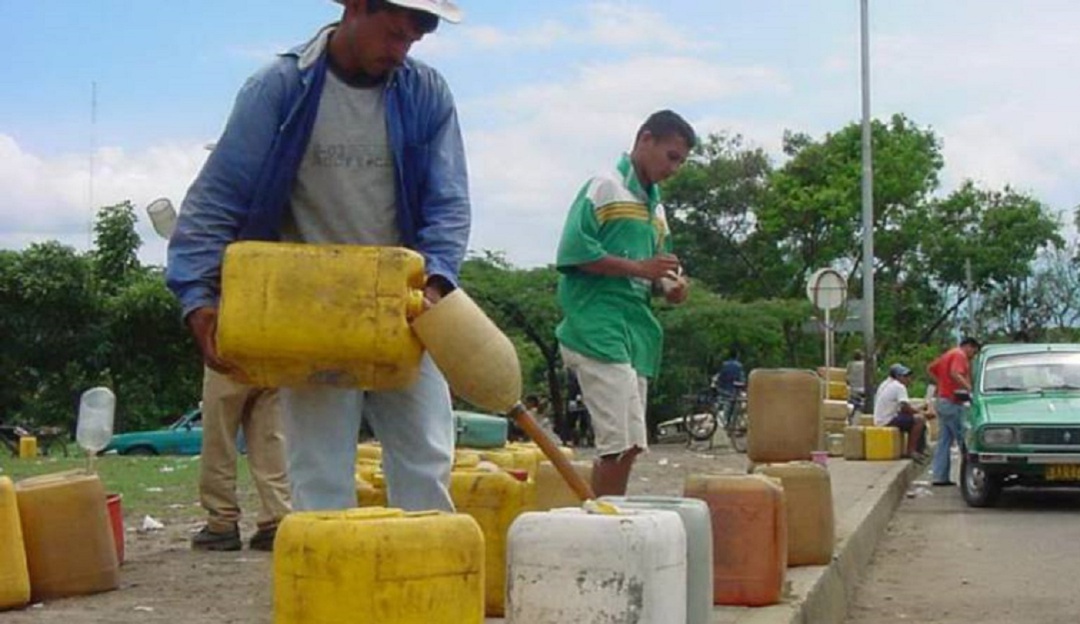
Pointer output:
x,y
227,408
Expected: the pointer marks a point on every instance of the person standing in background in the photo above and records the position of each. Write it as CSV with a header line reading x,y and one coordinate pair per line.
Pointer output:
x,y
951,372
613,257
229,407
855,374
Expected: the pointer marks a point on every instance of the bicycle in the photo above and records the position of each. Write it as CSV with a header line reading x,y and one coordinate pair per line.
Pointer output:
x,y
716,409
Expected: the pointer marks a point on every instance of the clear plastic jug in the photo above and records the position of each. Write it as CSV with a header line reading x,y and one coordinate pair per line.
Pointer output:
x,y
95,428
162,216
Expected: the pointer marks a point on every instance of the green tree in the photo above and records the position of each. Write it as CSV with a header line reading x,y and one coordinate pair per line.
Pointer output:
x,y
49,316
116,245
999,234
523,304
711,203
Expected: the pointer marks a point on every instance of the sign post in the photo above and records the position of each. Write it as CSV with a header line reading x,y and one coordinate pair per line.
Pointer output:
x,y
827,290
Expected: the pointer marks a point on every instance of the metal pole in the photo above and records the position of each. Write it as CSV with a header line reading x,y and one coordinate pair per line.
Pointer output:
x,y
973,331
867,216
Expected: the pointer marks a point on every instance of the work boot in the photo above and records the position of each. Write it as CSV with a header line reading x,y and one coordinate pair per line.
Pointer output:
x,y
263,539
206,539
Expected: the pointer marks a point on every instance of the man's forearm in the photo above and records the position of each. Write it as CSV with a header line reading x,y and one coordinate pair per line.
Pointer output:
x,y
613,266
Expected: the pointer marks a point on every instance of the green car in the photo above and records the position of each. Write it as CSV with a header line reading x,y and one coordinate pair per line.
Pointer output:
x,y
1023,428
183,437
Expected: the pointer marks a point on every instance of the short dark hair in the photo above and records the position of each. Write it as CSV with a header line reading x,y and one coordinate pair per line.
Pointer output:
x,y
423,21
666,123
970,342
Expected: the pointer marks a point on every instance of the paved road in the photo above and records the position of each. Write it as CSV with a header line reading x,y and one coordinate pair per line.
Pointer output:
x,y
944,562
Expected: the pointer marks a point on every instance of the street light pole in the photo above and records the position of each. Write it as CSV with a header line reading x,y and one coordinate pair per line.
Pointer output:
x,y
867,216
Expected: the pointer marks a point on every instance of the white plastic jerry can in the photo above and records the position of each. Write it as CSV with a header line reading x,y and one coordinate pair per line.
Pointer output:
x,y
571,565
697,520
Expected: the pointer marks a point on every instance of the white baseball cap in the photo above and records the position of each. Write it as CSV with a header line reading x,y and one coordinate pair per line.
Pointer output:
x,y
441,8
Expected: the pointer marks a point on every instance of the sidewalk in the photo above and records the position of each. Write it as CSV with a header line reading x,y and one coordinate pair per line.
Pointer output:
x,y
865,495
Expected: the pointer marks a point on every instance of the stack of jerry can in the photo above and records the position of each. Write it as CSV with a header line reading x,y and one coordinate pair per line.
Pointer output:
x,y
14,577
811,527
836,382
378,565
572,565
749,526
834,415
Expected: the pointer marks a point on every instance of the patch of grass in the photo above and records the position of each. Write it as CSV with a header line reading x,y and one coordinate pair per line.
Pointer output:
x,y
165,487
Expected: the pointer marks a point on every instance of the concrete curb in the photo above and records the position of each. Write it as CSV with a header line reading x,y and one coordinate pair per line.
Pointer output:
x,y
821,594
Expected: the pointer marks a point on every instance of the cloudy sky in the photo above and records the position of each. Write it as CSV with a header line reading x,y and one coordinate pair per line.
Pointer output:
x,y
548,92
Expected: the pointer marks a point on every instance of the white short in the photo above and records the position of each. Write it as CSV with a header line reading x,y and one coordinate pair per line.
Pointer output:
x,y
615,396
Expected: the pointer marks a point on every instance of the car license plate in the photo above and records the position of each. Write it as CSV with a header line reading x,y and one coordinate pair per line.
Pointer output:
x,y
1063,472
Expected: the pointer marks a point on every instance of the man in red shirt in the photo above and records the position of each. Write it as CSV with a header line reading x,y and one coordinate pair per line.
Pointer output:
x,y
951,372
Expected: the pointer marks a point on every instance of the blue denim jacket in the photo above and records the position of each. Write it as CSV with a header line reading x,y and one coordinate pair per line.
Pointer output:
x,y
243,190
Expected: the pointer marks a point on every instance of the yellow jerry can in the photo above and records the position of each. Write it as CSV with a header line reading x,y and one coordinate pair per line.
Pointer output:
x,y
370,490
378,565
28,448
495,500
883,443
811,523
14,577
301,315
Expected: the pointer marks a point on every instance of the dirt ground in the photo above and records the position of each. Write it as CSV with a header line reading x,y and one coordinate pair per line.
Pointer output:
x,y
162,580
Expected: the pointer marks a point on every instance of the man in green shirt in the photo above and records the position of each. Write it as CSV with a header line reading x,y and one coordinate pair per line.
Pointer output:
x,y
614,255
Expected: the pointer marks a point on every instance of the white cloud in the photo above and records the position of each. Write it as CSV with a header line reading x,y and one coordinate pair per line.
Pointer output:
x,y
1000,95
544,35
535,146
629,26
50,198
622,26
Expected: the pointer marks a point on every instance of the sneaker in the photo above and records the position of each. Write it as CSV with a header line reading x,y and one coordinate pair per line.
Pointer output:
x,y
263,539
206,539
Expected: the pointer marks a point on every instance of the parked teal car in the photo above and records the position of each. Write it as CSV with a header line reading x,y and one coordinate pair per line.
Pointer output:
x,y
1023,428
183,437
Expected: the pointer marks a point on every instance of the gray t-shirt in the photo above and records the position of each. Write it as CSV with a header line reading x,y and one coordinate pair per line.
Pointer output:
x,y
344,189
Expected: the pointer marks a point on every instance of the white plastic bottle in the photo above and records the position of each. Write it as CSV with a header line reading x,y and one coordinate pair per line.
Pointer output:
x,y
96,409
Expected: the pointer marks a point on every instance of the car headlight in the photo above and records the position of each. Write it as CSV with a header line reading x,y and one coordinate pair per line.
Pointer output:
x,y
998,436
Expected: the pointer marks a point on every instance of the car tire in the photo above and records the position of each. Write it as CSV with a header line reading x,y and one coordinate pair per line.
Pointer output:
x,y
141,450
978,488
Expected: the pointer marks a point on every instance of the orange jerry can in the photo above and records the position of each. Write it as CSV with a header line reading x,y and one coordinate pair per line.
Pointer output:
x,y
749,525
70,548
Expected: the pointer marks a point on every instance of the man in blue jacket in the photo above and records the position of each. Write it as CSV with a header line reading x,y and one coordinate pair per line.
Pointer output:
x,y
346,140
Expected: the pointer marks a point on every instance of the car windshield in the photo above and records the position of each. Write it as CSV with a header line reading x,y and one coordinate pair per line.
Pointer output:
x,y
1028,372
